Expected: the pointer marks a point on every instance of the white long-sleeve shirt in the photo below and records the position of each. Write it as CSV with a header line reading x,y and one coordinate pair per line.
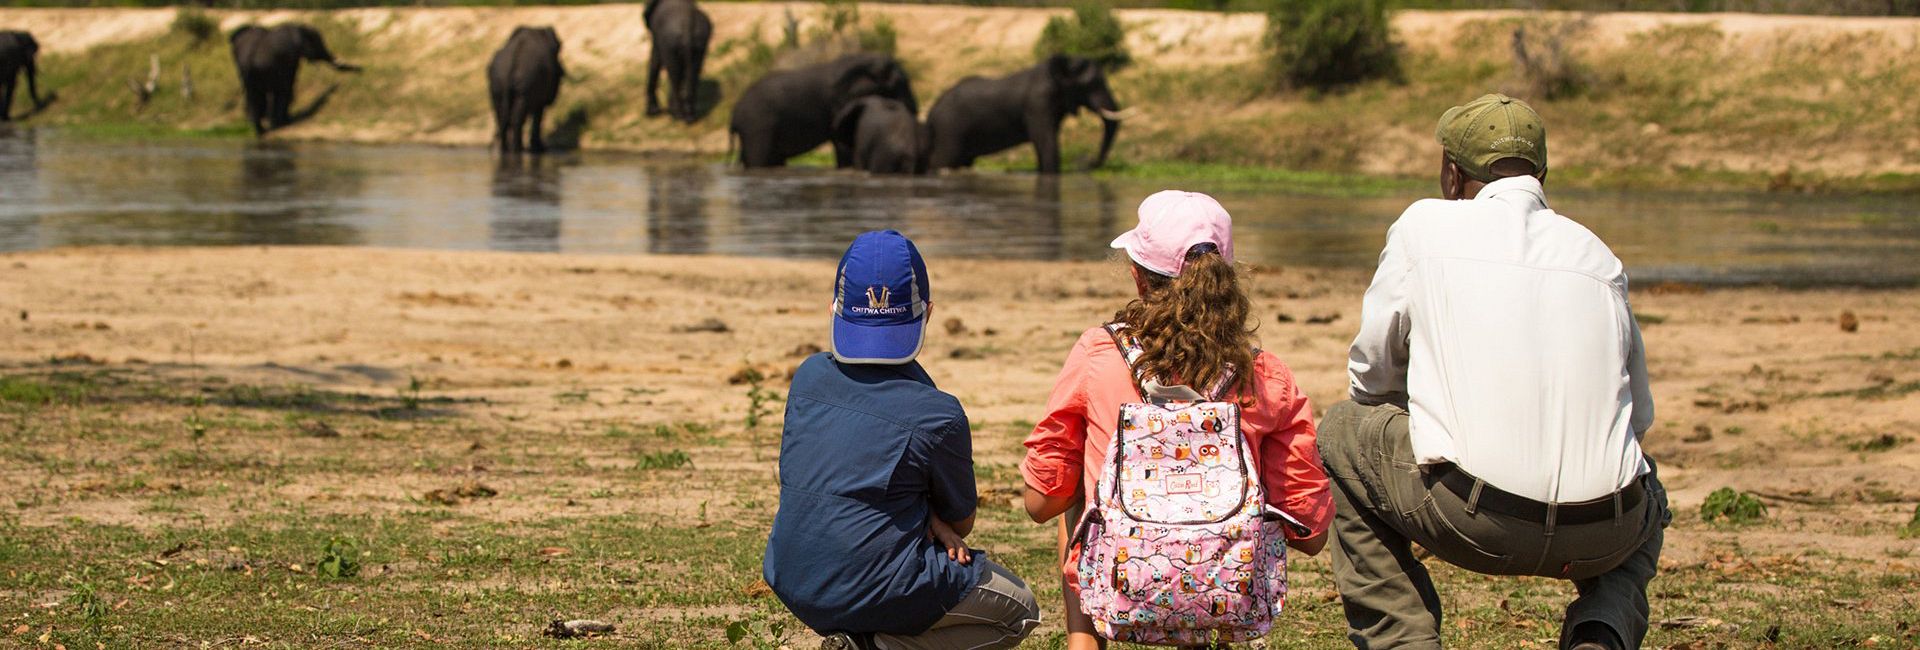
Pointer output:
x,y
1504,330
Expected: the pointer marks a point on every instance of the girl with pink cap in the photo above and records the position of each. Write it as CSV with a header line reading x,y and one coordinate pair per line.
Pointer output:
x,y
1191,319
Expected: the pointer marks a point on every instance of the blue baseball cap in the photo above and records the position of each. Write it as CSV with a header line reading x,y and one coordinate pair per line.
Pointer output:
x,y
880,300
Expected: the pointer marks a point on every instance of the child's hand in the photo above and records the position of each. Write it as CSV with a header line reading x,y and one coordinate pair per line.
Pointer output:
x,y
956,547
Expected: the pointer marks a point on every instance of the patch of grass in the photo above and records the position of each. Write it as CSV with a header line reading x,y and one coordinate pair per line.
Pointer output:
x,y
1877,443
1733,507
1287,181
1912,529
674,459
22,390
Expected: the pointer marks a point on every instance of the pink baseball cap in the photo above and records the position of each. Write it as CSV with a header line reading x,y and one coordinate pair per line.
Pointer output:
x,y
1171,223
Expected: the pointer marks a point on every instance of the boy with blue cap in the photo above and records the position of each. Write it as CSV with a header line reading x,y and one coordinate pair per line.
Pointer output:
x,y
876,481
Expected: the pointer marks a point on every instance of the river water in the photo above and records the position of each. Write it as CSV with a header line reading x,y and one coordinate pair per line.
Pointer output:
x,y
62,190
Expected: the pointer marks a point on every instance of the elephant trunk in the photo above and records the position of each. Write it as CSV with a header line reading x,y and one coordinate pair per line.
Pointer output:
x,y
1109,127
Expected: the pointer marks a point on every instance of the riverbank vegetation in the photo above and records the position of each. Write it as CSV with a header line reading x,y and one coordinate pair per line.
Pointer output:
x,y
1673,101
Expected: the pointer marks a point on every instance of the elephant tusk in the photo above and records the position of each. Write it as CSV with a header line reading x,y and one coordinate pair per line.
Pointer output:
x,y
1116,116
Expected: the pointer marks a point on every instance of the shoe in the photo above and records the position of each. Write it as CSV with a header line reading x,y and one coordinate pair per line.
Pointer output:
x,y
1595,636
844,641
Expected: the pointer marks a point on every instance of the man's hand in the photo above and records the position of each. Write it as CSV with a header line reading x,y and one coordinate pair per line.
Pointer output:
x,y
943,533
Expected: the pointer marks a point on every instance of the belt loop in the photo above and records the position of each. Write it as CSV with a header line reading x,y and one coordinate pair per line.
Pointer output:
x,y
1473,497
1553,514
1619,509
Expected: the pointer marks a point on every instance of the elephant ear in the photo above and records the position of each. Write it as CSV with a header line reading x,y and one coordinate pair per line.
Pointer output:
x,y
646,15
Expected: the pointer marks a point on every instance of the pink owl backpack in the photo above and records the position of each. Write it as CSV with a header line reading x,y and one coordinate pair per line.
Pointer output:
x,y
1178,546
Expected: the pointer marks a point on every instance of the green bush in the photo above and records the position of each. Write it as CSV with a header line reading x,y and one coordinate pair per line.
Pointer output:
x,y
1326,44
1732,506
194,23
1912,529
1093,32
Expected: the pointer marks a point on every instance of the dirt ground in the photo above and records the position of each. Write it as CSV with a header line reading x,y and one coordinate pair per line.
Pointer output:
x,y
352,384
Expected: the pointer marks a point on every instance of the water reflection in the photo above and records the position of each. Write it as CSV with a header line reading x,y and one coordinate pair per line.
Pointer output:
x,y
58,190
18,184
526,213
677,209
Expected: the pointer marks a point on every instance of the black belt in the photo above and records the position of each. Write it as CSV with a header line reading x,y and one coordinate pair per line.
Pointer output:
x,y
1507,503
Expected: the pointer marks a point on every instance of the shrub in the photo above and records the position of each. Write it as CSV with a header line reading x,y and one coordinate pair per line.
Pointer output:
x,y
1093,32
1732,506
195,24
1912,529
1326,44
1546,68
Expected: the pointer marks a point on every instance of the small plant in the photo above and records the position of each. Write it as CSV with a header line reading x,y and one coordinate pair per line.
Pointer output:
x,y
1912,529
757,398
194,23
1326,44
410,396
1732,506
758,632
1093,33
674,459
196,428
339,560
93,608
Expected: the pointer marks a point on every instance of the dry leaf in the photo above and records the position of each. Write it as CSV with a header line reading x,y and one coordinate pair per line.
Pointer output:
x,y
553,551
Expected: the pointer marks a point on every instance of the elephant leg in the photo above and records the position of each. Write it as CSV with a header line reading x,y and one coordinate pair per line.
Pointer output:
x,y
256,105
653,82
516,122
6,100
696,60
282,101
499,101
756,150
1045,135
537,144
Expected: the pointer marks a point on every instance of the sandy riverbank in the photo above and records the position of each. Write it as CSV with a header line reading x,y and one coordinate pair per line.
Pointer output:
x,y
1785,398
517,437
1665,99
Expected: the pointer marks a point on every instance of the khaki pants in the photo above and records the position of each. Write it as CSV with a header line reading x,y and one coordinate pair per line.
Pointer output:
x,y
1384,503
998,613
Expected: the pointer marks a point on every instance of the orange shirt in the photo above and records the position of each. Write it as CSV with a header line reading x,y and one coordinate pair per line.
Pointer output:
x,y
1068,447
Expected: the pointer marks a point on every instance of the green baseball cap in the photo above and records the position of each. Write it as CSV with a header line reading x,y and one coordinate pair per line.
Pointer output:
x,y
1490,128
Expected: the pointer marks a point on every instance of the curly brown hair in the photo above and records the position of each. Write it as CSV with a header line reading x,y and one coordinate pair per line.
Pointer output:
x,y
1194,327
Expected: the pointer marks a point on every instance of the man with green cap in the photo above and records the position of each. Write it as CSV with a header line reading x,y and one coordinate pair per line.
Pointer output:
x,y
1499,394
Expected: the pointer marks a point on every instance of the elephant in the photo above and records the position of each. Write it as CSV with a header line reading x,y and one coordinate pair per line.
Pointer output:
x,y
981,116
883,136
790,112
680,33
522,81
269,61
17,51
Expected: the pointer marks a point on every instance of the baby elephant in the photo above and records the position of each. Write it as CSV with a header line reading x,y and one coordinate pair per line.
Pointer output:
x,y
884,136
523,80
